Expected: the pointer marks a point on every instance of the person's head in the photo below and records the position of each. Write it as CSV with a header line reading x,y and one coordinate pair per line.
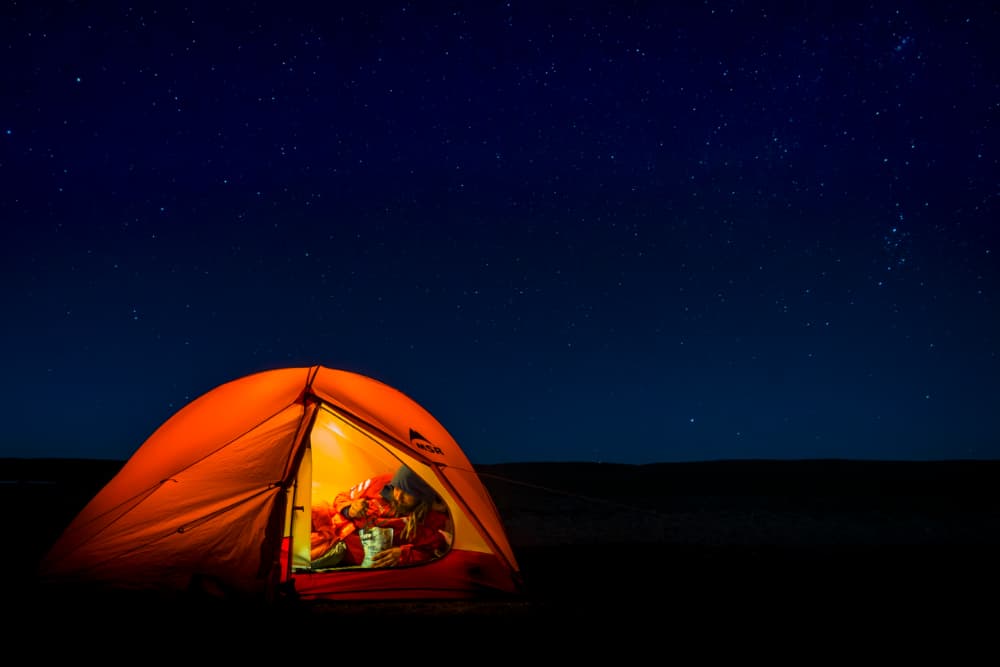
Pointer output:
x,y
407,491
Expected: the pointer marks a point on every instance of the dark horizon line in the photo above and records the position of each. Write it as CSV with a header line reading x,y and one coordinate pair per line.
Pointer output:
x,y
761,459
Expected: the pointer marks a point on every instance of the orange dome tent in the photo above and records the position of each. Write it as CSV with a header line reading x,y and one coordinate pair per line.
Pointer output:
x,y
219,497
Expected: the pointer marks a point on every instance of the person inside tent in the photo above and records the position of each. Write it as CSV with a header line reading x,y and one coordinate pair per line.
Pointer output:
x,y
421,527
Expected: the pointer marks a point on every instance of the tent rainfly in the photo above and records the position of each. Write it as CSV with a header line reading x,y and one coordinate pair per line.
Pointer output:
x,y
219,498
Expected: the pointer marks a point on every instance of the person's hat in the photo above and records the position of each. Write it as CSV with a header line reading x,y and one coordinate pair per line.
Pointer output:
x,y
408,481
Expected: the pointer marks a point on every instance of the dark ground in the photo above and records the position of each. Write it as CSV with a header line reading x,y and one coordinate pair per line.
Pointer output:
x,y
703,554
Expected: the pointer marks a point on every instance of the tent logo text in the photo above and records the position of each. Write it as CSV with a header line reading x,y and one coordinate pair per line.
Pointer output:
x,y
420,442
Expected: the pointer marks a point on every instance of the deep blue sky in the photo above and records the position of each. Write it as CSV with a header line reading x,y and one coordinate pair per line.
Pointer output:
x,y
634,233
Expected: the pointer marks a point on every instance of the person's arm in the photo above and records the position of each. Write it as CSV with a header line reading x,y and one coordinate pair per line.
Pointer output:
x,y
352,503
429,542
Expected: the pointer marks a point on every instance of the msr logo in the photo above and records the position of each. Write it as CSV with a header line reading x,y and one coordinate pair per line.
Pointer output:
x,y
420,442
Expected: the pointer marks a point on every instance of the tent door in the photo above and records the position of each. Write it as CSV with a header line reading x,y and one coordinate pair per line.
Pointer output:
x,y
301,513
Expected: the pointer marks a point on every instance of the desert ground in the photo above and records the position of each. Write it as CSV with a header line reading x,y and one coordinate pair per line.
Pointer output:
x,y
626,555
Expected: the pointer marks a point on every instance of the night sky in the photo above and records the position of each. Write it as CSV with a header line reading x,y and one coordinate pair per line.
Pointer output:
x,y
636,232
